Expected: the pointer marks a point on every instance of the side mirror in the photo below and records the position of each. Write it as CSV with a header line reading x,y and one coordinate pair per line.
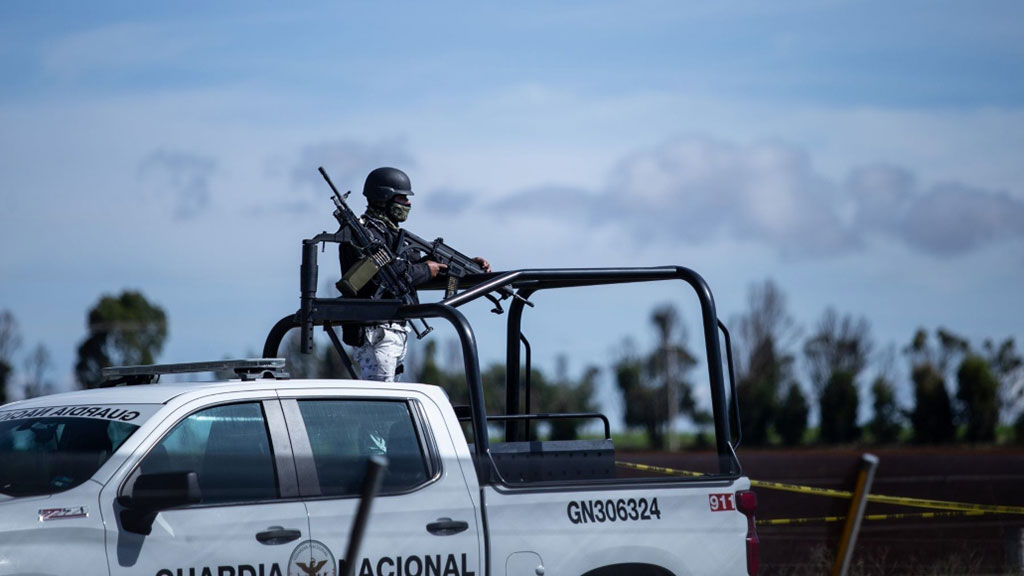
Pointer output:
x,y
152,493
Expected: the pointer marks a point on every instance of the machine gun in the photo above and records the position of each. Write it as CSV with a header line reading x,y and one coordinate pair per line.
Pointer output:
x,y
458,266
378,259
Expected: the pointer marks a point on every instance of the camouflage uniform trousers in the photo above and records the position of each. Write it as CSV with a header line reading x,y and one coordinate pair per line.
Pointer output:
x,y
383,352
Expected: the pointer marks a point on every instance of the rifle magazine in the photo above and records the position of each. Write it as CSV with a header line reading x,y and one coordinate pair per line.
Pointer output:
x,y
358,276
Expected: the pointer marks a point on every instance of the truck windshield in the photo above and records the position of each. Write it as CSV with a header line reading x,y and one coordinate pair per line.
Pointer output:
x,y
46,455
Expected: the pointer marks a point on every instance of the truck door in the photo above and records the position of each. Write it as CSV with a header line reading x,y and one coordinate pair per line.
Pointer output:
x,y
246,523
424,520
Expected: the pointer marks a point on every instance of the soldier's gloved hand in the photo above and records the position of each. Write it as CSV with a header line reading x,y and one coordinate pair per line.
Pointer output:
x,y
436,268
483,263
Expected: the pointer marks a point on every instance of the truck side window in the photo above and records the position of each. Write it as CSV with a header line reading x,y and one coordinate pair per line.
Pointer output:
x,y
227,446
344,433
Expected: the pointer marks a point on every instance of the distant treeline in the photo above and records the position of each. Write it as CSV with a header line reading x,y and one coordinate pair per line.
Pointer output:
x,y
986,381
779,374
838,358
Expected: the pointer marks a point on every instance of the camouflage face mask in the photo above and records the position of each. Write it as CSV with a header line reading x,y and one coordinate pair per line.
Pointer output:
x,y
398,212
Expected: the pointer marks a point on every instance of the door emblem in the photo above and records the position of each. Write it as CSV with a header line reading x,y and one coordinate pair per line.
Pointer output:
x,y
312,558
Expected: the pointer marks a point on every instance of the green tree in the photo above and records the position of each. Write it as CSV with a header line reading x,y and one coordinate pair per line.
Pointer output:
x,y
561,395
836,354
37,365
123,330
641,407
323,361
493,381
951,348
668,365
1018,430
430,371
654,389
566,395
793,413
758,395
839,409
886,420
1008,368
302,366
10,341
5,375
331,366
547,396
764,364
451,376
978,393
932,414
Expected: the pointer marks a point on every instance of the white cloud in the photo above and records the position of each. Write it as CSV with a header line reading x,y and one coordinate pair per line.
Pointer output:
x,y
183,175
699,191
879,195
708,188
582,178
942,220
348,161
953,219
120,47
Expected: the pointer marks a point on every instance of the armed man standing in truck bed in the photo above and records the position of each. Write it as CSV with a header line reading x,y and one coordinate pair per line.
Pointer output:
x,y
380,348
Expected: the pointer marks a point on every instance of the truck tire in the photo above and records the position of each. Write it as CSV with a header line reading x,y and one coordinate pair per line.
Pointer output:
x,y
629,569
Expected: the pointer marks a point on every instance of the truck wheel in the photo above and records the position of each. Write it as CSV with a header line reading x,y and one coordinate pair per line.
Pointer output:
x,y
629,569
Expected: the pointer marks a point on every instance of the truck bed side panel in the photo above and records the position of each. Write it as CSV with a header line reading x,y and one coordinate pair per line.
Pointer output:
x,y
685,528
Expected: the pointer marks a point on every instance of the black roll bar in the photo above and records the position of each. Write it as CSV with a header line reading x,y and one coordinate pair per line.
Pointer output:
x,y
512,345
530,281
341,310
334,311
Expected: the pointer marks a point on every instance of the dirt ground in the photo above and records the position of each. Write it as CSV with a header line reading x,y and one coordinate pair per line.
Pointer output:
x,y
959,545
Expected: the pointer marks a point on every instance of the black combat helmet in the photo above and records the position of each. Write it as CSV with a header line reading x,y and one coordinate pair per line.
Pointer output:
x,y
383,184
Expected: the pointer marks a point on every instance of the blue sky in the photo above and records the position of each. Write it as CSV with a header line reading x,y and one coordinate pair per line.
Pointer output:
x,y
864,156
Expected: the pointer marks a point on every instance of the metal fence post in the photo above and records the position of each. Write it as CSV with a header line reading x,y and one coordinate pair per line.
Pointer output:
x,y
866,475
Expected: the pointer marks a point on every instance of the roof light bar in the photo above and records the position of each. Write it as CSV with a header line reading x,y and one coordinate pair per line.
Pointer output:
x,y
247,369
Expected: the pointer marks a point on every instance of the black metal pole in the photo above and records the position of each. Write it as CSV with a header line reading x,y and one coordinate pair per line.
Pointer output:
x,y
719,405
529,371
308,274
471,365
512,336
276,335
371,484
329,328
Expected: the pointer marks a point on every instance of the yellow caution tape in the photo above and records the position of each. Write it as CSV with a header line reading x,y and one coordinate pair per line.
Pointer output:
x,y
879,498
649,468
922,515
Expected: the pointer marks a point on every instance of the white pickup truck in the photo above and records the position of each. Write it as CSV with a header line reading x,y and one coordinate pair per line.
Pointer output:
x,y
260,476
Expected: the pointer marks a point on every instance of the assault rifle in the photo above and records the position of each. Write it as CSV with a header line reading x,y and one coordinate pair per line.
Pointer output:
x,y
378,259
458,266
